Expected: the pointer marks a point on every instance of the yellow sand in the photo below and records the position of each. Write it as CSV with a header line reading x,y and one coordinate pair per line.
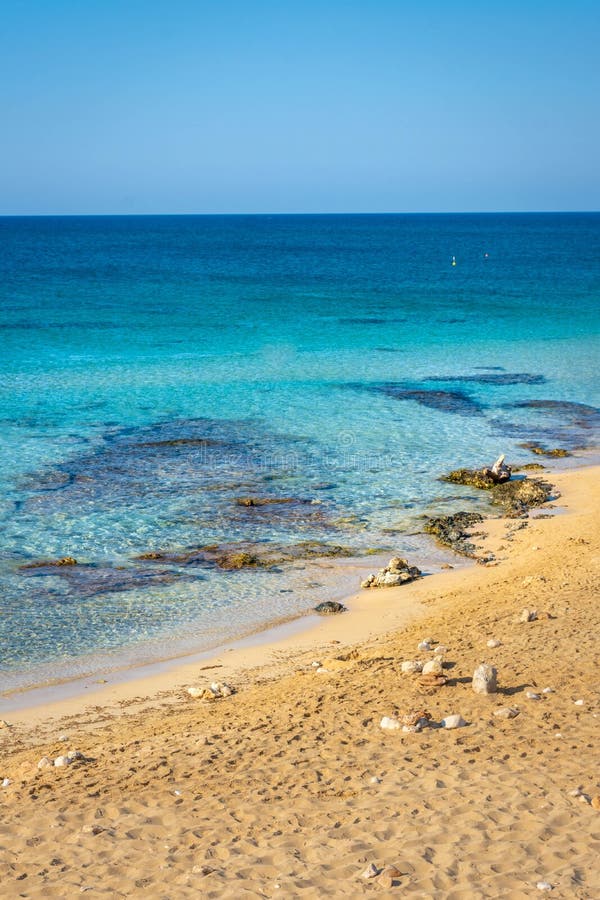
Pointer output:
x,y
271,792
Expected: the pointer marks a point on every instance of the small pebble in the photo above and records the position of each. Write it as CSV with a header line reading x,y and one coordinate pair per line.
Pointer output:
x,y
315,664
506,712
548,691
62,761
389,723
375,780
322,670
44,763
531,695
543,885
424,646
494,642
596,802
64,737
579,703
6,782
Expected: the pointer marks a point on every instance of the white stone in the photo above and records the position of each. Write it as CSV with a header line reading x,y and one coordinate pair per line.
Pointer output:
x,y
6,782
370,872
62,761
531,695
44,763
411,666
506,712
454,721
579,702
64,737
74,754
548,690
315,664
440,650
412,729
389,723
322,670
433,667
543,885
494,642
375,780
484,679
390,579
424,646
528,615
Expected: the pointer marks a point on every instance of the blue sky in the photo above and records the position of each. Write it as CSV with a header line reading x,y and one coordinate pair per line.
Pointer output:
x,y
144,106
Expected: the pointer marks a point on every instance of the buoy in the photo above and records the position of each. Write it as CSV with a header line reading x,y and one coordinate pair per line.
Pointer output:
x,y
453,260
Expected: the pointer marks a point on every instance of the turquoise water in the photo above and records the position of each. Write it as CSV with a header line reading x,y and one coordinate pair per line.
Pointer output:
x,y
155,369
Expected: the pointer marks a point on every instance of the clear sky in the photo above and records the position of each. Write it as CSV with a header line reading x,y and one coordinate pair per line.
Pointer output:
x,y
149,106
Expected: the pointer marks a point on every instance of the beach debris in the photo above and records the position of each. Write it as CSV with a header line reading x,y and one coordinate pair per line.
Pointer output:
x,y
531,695
433,667
5,782
453,721
411,666
506,712
528,615
370,872
544,886
215,691
44,763
397,571
389,723
579,702
493,643
499,472
329,608
485,679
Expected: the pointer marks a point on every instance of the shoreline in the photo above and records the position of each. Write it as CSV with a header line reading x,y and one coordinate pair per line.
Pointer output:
x,y
291,786
392,608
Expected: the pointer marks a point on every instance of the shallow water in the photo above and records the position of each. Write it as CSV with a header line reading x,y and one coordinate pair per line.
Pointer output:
x,y
156,370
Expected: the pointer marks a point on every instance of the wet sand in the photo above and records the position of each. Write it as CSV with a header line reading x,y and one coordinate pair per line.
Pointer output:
x,y
291,788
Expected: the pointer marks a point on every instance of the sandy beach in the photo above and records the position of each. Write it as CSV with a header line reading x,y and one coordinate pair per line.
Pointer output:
x,y
290,787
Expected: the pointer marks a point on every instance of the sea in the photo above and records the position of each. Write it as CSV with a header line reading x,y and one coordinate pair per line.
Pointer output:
x,y
182,395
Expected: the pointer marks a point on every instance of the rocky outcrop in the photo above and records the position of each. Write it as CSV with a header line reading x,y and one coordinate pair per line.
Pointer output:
x,y
516,496
330,608
452,531
395,573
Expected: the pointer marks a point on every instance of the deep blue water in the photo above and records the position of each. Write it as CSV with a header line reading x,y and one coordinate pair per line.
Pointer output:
x,y
154,369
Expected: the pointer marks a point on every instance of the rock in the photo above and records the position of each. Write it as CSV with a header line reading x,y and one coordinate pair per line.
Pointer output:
x,y
452,531
396,572
44,763
322,670
375,780
528,615
432,681
411,666
215,691
433,667
4,723
506,712
484,679
72,755
440,650
387,877
493,643
544,886
531,695
548,690
579,703
595,802
424,646
499,472
389,723
5,782
316,664
370,872
62,761
454,721
329,608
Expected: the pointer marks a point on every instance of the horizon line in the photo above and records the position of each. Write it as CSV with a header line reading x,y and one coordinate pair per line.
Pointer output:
x,y
484,212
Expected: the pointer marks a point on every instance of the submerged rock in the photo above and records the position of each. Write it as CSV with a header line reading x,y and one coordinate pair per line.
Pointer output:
x,y
50,563
247,554
539,450
516,496
330,608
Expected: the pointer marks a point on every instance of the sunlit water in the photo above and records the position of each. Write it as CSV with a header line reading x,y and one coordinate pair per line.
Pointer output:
x,y
155,370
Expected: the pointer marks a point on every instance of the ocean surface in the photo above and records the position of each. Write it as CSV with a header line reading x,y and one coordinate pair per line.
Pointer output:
x,y
157,371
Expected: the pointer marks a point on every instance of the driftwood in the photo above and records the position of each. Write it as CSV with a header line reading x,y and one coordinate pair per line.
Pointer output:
x,y
499,472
